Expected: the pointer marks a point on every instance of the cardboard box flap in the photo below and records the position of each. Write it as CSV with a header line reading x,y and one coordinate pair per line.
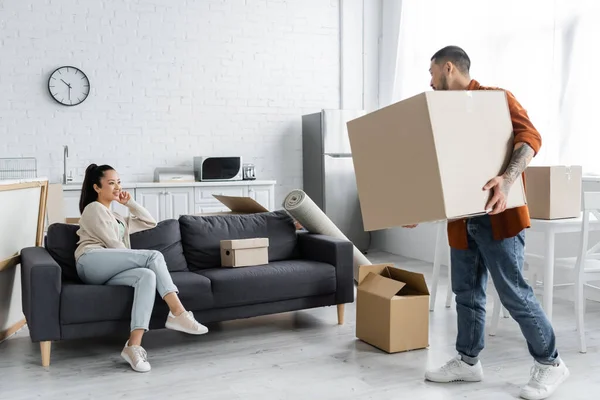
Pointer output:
x,y
381,286
244,243
364,270
244,205
415,282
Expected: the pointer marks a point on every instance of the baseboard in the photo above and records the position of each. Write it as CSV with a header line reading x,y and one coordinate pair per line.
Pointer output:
x,y
10,331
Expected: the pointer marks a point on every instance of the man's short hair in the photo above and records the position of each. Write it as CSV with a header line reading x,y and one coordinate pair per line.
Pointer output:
x,y
455,55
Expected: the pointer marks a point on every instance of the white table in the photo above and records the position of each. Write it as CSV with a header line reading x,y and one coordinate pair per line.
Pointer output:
x,y
550,228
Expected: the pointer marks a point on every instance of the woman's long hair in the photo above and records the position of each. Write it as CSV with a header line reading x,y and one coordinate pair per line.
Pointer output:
x,y
93,174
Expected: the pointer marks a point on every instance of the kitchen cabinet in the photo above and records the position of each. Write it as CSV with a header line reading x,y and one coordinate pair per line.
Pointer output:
x,y
178,202
153,200
264,195
166,203
71,204
170,201
205,202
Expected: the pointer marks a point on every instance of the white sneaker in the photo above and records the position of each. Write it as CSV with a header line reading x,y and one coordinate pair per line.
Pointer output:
x,y
137,357
185,322
545,379
456,370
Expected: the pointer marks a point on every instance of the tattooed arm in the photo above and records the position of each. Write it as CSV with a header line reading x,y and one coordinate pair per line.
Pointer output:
x,y
521,157
527,144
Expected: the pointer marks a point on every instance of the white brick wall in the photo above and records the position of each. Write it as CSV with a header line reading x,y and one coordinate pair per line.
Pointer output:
x,y
169,80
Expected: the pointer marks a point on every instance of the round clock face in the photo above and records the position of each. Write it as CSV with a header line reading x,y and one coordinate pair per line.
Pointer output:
x,y
68,86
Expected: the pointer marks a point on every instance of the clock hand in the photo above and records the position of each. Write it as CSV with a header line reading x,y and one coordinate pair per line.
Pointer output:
x,y
64,82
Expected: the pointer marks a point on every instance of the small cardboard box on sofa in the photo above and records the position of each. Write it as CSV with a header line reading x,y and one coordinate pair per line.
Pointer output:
x,y
304,270
244,252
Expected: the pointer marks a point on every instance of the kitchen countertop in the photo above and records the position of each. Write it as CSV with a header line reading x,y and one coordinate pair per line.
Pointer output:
x,y
146,185
24,180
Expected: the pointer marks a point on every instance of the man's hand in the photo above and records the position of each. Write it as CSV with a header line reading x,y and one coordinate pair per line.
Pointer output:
x,y
497,203
522,155
410,226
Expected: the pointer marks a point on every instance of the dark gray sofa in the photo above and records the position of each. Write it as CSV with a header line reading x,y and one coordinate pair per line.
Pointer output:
x,y
305,270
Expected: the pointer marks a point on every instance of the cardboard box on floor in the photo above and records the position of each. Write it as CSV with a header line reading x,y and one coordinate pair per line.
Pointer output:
x,y
553,192
237,205
428,157
244,252
392,308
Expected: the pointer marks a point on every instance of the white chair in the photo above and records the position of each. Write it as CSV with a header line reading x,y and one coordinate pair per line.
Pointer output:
x,y
582,269
442,249
498,310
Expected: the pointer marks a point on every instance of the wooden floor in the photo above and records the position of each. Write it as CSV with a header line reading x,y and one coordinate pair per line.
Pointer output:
x,y
302,355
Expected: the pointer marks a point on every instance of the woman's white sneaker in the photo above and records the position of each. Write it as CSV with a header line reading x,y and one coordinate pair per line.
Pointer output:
x,y
185,322
137,357
456,370
544,381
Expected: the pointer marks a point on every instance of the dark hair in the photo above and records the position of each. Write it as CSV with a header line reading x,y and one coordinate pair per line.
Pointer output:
x,y
455,55
93,174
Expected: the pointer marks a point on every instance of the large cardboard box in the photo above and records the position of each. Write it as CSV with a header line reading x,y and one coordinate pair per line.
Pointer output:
x,y
244,252
428,157
553,192
392,308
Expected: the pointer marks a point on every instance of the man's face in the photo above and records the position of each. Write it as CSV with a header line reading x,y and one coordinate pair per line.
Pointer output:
x,y
439,77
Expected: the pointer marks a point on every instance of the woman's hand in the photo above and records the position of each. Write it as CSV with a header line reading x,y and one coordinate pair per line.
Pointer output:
x,y
124,197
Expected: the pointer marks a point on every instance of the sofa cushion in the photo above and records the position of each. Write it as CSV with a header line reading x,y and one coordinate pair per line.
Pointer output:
x,y
278,280
166,238
61,242
201,235
81,303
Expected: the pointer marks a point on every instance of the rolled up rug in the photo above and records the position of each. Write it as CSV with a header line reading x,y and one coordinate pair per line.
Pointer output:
x,y
301,207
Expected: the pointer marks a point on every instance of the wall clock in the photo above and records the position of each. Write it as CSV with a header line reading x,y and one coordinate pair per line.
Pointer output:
x,y
68,85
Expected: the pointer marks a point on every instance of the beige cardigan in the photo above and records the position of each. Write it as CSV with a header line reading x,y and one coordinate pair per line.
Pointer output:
x,y
98,226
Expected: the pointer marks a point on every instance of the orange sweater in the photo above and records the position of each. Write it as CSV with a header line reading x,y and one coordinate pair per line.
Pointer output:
x,y
512,221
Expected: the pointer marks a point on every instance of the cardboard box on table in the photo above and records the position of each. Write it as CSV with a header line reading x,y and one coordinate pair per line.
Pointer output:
x,y
392,308
553,192
428,157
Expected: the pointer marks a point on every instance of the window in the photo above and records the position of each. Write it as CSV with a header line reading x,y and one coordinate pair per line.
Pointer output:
x,y
544,52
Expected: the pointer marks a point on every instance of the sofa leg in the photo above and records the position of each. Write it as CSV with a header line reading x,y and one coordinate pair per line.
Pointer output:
x,y
45,348
340,312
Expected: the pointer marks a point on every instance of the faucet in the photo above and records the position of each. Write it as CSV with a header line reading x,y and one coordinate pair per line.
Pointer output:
x,y
66,178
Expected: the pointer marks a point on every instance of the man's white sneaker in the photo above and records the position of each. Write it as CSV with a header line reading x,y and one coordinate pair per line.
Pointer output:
x,y
545,379
456,370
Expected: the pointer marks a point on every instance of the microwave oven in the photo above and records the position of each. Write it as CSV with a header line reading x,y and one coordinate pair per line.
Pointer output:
x,y
218,169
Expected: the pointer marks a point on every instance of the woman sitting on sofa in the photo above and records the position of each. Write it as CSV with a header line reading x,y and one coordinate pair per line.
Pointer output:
x,y
104,256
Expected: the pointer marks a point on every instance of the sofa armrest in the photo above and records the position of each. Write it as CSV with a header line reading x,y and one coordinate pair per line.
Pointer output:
x,y
334,251
41,285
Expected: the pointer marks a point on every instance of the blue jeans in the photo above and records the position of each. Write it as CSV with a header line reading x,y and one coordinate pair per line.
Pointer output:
x,y
504,261
144,270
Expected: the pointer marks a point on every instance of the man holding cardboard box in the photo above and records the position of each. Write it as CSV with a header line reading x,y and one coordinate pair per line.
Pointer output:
x,y
495,242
